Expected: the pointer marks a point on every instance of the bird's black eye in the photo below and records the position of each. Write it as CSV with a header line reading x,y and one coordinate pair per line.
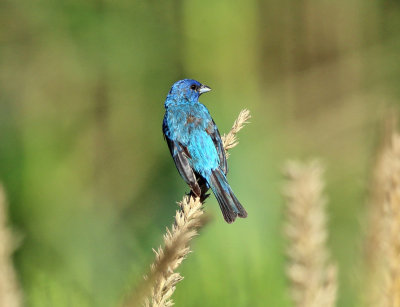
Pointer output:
x,y
193,87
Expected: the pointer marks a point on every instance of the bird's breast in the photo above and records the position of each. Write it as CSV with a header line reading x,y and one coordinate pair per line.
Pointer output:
x,y
193,120
187,120
191,128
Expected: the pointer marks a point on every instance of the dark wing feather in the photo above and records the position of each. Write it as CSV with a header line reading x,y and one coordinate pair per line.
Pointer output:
x,y
213,132
180,155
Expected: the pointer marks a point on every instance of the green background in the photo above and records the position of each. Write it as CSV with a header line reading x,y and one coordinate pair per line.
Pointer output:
x,y
89,178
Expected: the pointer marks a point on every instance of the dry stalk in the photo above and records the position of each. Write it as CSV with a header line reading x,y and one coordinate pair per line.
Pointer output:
x,y
374,249
176,247
10,293
387,222
162,280
230,140
312,275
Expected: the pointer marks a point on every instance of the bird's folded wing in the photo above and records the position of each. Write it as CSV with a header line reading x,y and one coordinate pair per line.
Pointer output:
x,y
213,132
181,155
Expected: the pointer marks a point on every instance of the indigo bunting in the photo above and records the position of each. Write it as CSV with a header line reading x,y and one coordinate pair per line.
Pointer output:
x,y
196,146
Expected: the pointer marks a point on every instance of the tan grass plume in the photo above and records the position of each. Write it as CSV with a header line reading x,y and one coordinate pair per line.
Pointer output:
x,y
312,275
10,293
375,257
161,281
163,274
230,140
386,222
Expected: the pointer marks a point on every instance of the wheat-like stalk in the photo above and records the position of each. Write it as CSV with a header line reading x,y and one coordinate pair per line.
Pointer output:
x,y
375,265
311,273
387,253
10,293
230,140
176,247
162,279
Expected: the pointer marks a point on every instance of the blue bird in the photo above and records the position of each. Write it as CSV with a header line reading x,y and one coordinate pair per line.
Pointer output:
x,y
196,146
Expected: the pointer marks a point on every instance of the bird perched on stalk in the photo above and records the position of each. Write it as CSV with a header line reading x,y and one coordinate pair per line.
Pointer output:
x,y
196,146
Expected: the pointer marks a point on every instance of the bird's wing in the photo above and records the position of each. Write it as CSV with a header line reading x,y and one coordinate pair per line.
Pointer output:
x,y
212,131
180,154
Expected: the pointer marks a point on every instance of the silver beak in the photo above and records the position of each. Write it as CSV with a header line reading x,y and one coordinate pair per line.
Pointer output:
x,y
204,89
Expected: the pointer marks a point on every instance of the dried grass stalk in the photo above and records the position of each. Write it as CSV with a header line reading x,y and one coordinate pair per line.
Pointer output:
x,y
189,219
10,293
312,275
387,223
176,247
230,140
374,260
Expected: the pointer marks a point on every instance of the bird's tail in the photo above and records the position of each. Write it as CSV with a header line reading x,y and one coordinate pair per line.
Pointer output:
x,y
229,204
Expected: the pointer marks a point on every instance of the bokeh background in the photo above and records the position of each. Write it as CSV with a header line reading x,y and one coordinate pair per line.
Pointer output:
x,y
91,184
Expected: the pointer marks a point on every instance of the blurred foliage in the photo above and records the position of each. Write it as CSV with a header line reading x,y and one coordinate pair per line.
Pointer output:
x,y
91,183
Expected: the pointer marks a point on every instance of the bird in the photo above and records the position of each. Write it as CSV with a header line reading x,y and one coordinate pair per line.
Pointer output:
x,y
196,147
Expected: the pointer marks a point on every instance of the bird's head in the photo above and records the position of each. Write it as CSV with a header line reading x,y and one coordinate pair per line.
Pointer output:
x,y
187,90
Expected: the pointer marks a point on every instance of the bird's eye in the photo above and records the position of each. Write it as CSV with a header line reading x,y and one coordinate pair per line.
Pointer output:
x,y
193,87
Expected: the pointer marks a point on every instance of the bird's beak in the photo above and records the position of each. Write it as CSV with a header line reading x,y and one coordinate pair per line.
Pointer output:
x,y
204,89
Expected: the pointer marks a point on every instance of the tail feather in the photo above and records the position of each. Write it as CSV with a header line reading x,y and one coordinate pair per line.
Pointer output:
x,y
229,204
